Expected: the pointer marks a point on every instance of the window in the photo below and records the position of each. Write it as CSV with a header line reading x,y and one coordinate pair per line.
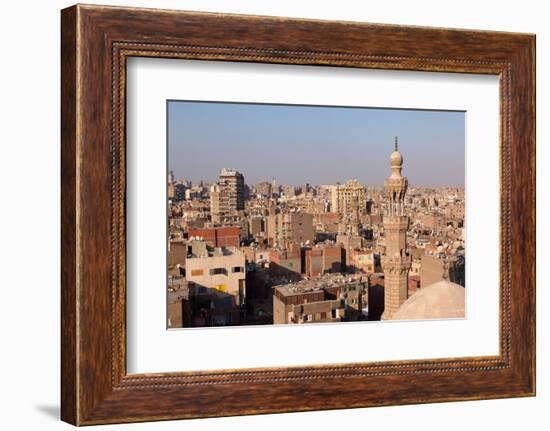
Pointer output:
x,y
217,271
196,272
237,269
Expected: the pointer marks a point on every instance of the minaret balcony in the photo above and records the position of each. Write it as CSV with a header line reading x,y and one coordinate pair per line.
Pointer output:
x,y
396,264
396,222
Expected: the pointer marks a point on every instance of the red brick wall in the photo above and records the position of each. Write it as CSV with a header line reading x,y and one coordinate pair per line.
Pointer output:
x,y
218,236
314,262
228,236
332,261
209,235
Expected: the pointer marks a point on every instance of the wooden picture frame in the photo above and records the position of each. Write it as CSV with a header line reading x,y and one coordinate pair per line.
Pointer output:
x,y
95,43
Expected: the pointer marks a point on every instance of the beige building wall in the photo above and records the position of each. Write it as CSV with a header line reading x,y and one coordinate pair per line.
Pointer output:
x,y
431,270
343,195
227,196
292,227
216,207
225,273
364,261
279,311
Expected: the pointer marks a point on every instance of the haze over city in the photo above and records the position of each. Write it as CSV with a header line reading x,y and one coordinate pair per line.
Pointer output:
x,y
318,145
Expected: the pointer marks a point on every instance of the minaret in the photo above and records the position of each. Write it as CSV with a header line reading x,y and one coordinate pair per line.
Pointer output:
x,y
396,262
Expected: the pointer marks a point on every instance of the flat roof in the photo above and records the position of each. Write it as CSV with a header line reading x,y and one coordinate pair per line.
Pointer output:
x,y
318,284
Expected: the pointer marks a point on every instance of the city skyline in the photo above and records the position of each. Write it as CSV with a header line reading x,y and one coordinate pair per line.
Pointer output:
x,y
297,144
345,239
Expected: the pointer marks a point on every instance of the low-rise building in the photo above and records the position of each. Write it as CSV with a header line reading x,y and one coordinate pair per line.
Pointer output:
x,y
363,260
220,270
323,259
333,298
285,263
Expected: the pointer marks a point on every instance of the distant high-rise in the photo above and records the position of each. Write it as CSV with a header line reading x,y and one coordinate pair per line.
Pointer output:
x,y
171,188
344,197
396,262
227,196
263,189
275,192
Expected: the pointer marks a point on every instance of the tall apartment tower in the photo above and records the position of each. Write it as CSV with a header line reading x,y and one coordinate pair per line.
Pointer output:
x,y
396,262
227,196
171,188
343,195
232,184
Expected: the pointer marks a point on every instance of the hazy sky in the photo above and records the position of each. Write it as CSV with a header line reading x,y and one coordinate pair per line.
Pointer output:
x,y
319,145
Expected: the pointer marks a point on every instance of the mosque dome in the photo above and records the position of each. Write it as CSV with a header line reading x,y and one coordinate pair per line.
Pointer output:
x,y
440,300
396,159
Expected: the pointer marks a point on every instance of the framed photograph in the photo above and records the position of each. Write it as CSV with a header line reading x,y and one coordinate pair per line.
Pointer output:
x,y
323,214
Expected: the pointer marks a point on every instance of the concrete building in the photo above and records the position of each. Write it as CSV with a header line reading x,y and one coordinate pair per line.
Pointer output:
x,y
289,191
221,270
363,261
343,195
328,299
227,196
438,267
177,253
171,188
192,305
323,259
256,226
286,264
283,229
263,189
180,302
396,261
434,221
225,236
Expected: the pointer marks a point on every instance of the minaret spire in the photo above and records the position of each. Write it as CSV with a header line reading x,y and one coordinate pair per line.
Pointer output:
x,y
396,260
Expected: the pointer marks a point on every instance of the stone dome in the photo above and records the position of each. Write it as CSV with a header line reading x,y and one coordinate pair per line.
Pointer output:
x,y
396,159
440,300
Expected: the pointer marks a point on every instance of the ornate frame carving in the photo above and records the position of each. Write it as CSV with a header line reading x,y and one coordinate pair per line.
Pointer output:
x,y
96,41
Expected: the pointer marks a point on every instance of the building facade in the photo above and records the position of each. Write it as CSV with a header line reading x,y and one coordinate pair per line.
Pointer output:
x,y
344,197
227,196
283,229
332,299
221,271
224,236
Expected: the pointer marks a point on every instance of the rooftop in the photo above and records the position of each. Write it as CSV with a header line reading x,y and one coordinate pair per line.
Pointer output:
x,y
218,252
317,284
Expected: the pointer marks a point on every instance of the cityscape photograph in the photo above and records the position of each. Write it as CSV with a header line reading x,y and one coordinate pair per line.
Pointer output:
x,y
297,214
